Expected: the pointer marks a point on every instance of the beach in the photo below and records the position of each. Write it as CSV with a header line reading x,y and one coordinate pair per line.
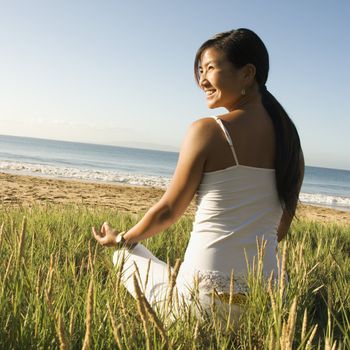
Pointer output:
x,y
25,190
28,190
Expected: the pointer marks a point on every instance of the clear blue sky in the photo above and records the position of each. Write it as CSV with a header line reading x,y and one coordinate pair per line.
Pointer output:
x,y
121,72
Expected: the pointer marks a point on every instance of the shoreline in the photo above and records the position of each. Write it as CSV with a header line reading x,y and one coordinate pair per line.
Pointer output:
x,y
28,190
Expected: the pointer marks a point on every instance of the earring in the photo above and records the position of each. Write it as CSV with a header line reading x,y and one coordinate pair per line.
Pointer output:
x,y
243,92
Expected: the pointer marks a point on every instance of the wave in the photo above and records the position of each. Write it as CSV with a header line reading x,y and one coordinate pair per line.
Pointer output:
x,y
84,174
338,202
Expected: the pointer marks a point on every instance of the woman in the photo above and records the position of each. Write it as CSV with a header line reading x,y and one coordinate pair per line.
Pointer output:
x,y
246,167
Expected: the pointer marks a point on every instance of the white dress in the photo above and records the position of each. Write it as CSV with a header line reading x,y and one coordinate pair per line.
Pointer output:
x,y
236,206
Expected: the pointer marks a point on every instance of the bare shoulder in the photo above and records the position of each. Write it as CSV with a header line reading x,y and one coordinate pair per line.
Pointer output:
x,y
205,128
199,137
203,123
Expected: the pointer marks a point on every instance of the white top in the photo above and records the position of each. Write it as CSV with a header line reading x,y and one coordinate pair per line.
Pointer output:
x,y
235,206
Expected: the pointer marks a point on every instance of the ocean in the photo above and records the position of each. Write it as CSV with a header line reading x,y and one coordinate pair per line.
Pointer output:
x,y
113,164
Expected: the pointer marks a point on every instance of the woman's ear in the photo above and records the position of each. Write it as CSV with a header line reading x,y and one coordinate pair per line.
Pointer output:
x,y
249,72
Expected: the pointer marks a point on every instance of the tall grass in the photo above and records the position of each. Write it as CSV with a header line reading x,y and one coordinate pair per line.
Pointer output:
x,y
59,289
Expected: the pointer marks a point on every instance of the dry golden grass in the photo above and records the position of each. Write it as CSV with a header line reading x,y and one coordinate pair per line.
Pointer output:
x,y
60,290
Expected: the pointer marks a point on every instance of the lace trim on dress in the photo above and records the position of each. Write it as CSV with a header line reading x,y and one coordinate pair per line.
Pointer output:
x,y
208,279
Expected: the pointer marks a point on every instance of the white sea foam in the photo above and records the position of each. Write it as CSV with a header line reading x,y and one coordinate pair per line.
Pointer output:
x,y
326,200
84,174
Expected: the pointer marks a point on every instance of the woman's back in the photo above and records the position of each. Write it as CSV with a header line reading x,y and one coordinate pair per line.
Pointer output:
x,y
253,138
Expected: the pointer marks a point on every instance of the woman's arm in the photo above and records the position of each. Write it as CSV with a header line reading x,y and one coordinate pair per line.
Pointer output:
x,y
183,186
287,218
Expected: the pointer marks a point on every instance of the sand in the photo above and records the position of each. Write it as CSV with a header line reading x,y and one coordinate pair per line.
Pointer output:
x,y
20,190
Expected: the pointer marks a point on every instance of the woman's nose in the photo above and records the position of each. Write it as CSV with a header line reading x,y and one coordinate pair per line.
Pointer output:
x,y
202,80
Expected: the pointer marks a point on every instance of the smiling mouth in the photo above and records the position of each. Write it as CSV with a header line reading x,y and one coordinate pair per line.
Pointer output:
x,y
209,92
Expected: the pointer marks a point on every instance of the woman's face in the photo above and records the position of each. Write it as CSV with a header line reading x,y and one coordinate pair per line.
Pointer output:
x,y
219,79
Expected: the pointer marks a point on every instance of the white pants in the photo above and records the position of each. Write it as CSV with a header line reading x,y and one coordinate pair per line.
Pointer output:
x,y
156,289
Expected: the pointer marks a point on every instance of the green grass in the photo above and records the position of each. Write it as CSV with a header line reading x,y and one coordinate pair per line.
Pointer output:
x,y
46,268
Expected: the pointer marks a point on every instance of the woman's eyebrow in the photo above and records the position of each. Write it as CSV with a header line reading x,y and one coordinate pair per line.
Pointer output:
x,y
207,63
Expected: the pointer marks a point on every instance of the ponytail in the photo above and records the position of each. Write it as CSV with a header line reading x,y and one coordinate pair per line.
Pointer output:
x,y
288,150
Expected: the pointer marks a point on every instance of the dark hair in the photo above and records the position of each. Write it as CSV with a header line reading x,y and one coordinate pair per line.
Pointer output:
x,y
243,46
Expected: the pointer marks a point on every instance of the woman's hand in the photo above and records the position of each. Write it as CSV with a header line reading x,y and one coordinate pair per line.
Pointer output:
x,y
106,236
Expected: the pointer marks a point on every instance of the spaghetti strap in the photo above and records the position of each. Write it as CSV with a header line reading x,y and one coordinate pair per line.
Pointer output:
x,y
228,137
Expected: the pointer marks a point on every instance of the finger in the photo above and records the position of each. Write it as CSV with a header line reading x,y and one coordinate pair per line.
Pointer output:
x,y
105,228
96,235
102,231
